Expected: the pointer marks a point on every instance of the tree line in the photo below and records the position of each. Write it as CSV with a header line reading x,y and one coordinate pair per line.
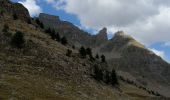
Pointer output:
x,y
104,75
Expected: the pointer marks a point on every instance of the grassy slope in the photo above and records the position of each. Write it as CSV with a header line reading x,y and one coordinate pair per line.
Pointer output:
x,y
41,71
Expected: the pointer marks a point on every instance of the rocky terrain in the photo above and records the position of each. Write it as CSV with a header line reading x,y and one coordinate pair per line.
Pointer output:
x,y
135,62
42,69
131,59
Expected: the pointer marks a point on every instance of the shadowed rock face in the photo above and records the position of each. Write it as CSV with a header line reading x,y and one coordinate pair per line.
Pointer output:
x,y
15,8
45,58
76,35
65,29
101,37
125,54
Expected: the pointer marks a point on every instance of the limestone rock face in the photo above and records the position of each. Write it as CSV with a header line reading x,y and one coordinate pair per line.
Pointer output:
x,y
15,8
65,28
101,37
125,54
122,52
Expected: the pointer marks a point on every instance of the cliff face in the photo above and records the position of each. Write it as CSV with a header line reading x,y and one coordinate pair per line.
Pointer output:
x,y
15,8
42,71
122,52
76,35
65,28
101,37
127,55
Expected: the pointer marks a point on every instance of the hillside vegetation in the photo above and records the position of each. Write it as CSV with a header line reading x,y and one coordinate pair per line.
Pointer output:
x,y
36,66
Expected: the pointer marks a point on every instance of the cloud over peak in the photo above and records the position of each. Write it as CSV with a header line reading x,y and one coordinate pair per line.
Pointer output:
x,y
32,7
147,20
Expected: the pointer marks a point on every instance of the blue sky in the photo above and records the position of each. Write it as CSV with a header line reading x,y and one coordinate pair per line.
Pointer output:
x,y
146,20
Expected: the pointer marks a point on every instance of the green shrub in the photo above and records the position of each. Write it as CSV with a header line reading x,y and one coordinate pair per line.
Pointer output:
x,y
5,28
29,21
18,40
64,40
103,58
15,17
114,80
48,30
39,23
98,73
89,51
52,34
82,52
69,52
97,56
57,36
73,47
107,77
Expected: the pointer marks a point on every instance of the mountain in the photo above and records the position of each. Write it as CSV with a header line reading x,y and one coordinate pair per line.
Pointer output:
x,y
16,9
41,68
143,67
131,59
77,36
66,28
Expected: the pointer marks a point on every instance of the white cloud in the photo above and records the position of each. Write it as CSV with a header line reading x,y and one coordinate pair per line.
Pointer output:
x,y
146,20
32,7
155,29
159,53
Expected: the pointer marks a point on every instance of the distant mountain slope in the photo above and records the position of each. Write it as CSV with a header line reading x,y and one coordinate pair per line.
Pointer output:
x,y
14,9
76,35
127,55
42,70
122,52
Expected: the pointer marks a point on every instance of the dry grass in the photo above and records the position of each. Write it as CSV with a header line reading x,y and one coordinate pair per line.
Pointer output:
x,y
41,71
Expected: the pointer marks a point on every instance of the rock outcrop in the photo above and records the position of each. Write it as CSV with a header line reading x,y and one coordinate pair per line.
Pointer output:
x,y
41,70
101,37
76,35
15,8
123,53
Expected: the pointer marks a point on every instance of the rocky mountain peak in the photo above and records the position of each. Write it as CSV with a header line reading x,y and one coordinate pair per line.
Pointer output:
x,y
49,17
123,39
102,35
120,33
15,8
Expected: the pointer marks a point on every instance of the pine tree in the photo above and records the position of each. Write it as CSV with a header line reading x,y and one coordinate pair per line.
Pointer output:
x,y
48,30
73,47
52,34
18,40
57,36
107,77
15,17
39,23
69,52
114,79
82,52
64,40
103,58
6,28
5,31
98,73
97,56
29,21
89,51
